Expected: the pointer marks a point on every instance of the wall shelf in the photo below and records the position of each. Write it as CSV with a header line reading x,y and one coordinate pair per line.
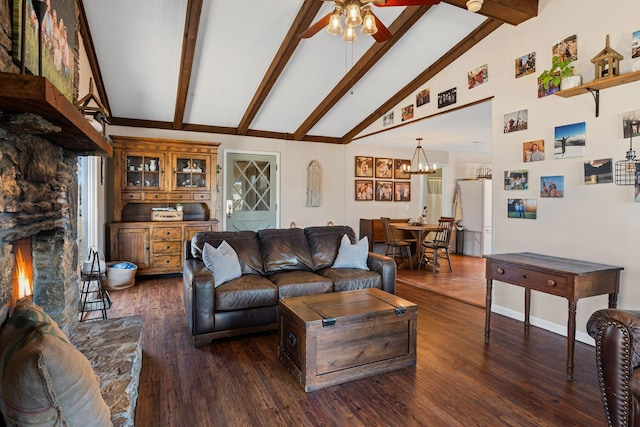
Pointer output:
x,y
22,93
596,86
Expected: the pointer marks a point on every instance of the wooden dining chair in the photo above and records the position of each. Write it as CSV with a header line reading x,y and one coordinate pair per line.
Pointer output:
x,y
439,244
392,243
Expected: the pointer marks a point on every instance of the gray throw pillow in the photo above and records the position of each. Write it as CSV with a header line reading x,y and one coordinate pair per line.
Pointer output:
x,y
223,262
352,256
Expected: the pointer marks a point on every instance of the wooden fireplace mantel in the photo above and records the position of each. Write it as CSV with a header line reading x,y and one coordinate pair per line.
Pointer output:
x,y
22,93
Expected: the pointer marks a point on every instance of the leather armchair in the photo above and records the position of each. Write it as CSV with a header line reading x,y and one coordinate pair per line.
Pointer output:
x,y
617,335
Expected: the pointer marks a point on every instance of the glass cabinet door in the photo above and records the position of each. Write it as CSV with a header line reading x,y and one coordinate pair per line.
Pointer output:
x,y
191,172
143,171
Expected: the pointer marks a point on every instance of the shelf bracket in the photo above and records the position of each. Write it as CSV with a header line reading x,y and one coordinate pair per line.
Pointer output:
x,y
596,98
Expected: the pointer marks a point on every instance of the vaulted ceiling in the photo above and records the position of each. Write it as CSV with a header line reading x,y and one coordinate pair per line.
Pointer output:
x,y
239,67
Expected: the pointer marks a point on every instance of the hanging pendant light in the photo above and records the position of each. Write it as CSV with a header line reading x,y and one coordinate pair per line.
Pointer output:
x,y
349,34
626,170
353,17
335,22
368,22
419,166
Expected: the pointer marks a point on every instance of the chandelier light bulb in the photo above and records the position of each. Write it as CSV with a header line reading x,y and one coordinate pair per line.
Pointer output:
x,y
369,23
349,34
354,18
474,5
335,23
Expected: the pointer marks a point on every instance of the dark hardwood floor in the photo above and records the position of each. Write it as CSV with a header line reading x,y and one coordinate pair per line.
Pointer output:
x,y
458,381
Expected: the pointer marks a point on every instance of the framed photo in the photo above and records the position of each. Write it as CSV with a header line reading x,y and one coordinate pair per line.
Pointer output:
x,y
364,166
398,170
546,91
570,140
525,65
522,208
448,97
518,120
516,180
364,189
631,123
402,191
566,49
533,151
407,112
387,119
598,171
58,42
552,186
478,76
384,191
423,97
384,167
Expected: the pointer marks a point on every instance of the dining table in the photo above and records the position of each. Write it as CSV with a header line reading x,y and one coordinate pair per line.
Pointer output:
x,y
419,231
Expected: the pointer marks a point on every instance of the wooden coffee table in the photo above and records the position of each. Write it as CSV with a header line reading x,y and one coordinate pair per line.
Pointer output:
x,y
333,338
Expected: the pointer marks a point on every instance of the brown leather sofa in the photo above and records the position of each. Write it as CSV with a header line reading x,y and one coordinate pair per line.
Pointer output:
x,y
617,335
275,263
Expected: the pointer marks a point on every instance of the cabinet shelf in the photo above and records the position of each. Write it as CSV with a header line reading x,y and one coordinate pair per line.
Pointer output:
x,y
596,86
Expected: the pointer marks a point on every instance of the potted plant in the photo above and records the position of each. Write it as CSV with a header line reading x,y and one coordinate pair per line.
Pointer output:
x,y
560,74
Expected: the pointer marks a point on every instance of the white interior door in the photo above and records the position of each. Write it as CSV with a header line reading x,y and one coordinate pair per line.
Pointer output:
x,y
251,191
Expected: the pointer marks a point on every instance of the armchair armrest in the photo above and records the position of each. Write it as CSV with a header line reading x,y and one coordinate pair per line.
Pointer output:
x,y
199,296
387,269
617,335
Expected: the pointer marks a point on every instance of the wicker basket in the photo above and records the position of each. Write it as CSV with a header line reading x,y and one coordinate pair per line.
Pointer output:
x,y
119,278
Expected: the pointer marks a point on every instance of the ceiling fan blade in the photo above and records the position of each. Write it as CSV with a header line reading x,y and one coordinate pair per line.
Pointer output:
x,y
383,33
314,28
388,3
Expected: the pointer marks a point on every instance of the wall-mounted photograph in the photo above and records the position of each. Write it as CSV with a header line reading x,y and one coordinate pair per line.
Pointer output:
x,y
552,186
384,167
631,123
407,112
635,45
570,140
448,97
399,168
637,186
598,171
423,97
522,208
402,191
364,189
478,76
518,120
525,65
364,166
566,49
533,151
387,119
546,91
384,191
516,180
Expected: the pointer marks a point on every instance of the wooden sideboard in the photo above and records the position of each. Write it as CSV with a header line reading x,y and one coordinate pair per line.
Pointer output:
x,y
564,277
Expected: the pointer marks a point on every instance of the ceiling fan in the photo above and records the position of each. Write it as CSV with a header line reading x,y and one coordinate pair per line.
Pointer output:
x,y
358,12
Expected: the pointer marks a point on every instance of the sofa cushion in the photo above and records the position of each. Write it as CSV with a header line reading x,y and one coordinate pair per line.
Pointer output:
x,y
352,255
298,283
285,250
44,379
325,241
222,262
245,243
247,291
349,279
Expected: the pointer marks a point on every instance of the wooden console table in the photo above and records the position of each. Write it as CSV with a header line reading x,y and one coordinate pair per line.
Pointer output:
x,y
568,278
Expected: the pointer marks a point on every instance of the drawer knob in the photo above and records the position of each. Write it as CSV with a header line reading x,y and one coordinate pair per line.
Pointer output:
x,y
168,247
551,282
168,232
501,270
155,195
524,276
167,261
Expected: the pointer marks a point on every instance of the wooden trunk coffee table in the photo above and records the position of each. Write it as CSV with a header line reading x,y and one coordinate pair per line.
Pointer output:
x,y
332,338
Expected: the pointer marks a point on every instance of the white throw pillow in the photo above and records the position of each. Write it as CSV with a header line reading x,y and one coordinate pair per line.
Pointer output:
x,y
352,256
223,262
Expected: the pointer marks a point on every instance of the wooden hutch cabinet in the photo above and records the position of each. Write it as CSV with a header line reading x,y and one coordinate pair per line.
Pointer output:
x,y
150,177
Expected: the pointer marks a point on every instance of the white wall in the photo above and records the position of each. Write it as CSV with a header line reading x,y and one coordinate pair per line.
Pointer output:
x,y
596,223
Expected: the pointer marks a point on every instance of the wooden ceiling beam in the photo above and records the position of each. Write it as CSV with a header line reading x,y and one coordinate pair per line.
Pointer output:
x,y
191,25
512,12
303,20
398,28
89,47
483,30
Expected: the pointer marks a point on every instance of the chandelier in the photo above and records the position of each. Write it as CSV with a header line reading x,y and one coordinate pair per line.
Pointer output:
x,y
354,16
419,166
626,170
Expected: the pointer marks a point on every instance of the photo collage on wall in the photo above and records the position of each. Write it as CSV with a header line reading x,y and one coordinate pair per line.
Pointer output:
x,y
382,179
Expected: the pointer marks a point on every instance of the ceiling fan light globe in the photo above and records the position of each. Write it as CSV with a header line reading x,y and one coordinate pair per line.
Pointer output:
x,y
335,24
349,34
369,24
353,16
474,5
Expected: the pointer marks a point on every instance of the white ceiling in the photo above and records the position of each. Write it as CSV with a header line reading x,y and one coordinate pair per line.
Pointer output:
x,y
138,48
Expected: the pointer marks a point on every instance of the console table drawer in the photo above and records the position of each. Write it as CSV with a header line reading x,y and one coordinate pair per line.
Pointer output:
x,y
532,279
167,247
166,261
166,233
